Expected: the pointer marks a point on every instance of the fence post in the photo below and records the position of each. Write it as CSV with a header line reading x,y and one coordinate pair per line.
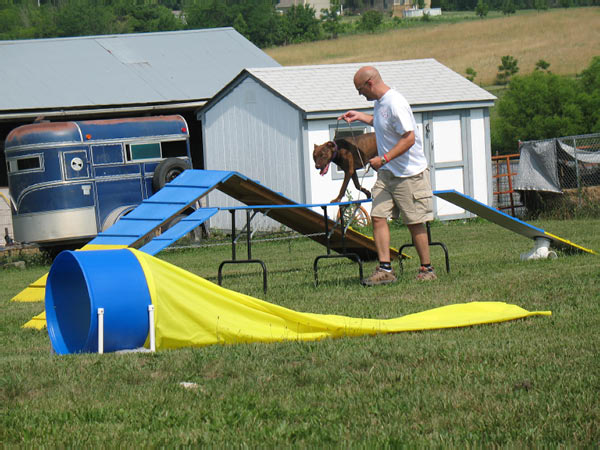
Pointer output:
x,y
579,199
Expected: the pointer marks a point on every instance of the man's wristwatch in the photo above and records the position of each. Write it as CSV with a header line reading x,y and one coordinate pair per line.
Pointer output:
x,y
383,161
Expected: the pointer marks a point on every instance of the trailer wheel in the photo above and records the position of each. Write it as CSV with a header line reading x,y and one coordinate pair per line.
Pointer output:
x,y
166,171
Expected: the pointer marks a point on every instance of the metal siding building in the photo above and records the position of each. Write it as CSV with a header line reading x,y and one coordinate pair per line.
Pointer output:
x,y
260,133
276,115
129,72
118,76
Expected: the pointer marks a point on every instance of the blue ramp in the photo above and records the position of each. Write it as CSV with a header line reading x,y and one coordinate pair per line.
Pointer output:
x,y
174,198
504,220
181,193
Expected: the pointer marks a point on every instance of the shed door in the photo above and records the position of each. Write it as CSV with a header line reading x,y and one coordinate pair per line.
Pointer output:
x,y
447,155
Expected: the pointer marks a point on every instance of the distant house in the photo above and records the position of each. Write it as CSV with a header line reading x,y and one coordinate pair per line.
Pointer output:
x,y
400,8
118,76
317,5
265,122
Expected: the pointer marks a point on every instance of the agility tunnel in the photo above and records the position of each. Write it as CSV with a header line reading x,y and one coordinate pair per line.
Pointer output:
x,y
190,311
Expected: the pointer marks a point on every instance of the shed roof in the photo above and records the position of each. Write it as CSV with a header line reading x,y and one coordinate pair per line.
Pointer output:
x,y
149,68
321,88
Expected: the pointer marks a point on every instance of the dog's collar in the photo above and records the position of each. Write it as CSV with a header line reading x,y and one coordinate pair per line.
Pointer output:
x,y
335,151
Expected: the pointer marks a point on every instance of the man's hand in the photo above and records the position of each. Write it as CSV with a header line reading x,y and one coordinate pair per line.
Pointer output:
x,y
376,162
352,116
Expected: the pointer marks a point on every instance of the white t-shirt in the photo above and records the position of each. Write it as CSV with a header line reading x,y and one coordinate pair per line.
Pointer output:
x,y
392,117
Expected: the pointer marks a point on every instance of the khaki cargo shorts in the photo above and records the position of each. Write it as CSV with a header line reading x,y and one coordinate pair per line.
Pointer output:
x,y
410,197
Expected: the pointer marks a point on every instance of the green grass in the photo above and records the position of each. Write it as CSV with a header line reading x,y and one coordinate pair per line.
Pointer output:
x,y
531,382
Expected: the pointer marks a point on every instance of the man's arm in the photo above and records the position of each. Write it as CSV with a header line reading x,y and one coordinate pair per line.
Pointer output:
x,y
403,145
351,116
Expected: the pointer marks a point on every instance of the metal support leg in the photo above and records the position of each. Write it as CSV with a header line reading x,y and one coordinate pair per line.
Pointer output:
x,y
249,260
352,256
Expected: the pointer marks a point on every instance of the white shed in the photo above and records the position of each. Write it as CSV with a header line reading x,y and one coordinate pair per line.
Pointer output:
x,y
265,122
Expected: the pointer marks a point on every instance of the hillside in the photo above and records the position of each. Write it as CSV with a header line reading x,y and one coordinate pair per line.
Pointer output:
x,y
566,38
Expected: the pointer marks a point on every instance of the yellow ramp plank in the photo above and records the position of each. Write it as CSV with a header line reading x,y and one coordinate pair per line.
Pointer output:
x,y
566,243
34,292
38,322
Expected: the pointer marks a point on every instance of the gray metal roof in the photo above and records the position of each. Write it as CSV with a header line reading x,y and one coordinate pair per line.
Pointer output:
x,y
151,68
330,87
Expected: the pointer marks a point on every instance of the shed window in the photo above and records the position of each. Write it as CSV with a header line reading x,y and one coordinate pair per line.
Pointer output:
x,y
348,132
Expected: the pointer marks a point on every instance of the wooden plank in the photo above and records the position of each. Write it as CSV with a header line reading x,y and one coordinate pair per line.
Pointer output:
x,y
303,220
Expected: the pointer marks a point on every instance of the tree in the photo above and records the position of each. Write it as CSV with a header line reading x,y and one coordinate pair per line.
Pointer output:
x,y
542,65
240,25
507,69
300,24
471,74
354,5
148,18
80,19
370,20
589,94
508,7
540,105
330,19
481,9
262,20
209,14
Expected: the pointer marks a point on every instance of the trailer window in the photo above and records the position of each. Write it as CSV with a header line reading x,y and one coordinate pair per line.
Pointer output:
x,y
26,164
107,154
136,152
173,149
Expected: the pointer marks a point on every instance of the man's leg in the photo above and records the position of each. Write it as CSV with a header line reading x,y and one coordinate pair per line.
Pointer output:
x,y
421,242
381,235
384,273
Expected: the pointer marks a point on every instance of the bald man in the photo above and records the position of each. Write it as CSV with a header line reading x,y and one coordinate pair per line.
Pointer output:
x,y
403,187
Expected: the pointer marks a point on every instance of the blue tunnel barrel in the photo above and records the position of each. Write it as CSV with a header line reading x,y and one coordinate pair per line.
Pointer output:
x,y
79,283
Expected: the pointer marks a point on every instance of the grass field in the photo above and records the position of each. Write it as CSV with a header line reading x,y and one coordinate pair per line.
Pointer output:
x,y
531,382
565,38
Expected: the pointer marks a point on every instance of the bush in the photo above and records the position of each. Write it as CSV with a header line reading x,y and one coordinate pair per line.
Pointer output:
x,y
370,21
471,74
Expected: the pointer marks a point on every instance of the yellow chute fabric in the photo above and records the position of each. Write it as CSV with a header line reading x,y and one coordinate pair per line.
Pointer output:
x,y
192,311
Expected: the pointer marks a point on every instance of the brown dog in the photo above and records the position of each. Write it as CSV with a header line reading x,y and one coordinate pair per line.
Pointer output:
x,y
349,154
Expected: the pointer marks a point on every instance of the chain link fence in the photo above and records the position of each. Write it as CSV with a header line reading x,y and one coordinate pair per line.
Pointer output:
x,y
578,161
559,173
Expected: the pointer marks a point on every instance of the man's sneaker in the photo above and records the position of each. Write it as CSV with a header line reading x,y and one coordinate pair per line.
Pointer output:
x,y
426,274
380,276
